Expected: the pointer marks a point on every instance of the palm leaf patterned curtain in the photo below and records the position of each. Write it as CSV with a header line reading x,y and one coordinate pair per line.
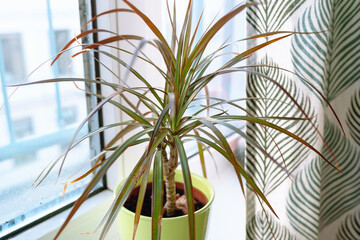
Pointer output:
x,y
319,202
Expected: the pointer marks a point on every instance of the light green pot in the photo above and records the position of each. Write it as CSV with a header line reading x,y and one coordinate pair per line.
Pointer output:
x,y
175,228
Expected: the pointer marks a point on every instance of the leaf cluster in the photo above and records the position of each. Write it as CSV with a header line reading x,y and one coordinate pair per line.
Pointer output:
x,y
160,118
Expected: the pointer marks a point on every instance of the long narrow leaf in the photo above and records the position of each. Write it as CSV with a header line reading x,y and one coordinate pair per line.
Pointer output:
x,y
117,204
255,145
313,88
124,194
98,176
250,51
140,201
158,124
280,129
238,168
227,148
188,187
150,24
201,45
303,112
157,197
81,35
90,115
201,154
116,10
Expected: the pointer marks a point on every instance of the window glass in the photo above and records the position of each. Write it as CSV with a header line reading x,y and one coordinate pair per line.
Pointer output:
x,y
230,86
61,38
38,122
70,115
23,128
13,57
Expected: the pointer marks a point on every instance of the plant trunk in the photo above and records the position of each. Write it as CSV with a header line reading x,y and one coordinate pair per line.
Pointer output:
x,y
169,177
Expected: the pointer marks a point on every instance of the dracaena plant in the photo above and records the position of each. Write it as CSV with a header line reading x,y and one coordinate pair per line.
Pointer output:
x,y
159,118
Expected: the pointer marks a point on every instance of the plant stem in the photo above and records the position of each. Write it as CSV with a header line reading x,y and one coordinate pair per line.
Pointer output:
x,y
169,177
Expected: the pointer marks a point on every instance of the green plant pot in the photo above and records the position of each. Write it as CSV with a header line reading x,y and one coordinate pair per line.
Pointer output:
x,y
175,228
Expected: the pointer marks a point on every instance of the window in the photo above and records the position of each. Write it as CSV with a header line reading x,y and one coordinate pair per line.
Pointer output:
x,y
70,115
43,29
36,122
61,38
23,128
13,57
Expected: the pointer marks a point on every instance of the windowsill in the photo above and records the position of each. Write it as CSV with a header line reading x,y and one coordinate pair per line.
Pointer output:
x,y
85,220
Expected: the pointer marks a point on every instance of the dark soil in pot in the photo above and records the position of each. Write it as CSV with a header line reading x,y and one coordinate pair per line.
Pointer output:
x,y
130,204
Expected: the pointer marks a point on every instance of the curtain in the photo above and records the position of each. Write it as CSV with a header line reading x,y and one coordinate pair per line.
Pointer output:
x,y
312,199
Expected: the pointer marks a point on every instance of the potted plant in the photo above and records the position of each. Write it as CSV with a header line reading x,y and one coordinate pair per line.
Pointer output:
x,y
160,121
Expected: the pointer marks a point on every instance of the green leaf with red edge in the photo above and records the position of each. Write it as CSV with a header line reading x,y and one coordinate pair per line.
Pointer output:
x,y
312,87
240,57
168,58
201,154
140,201
79,36
116,10
236,164
262,35
201,45
100,163
208,142
182,50
103,42
278,128
98,176
303,112
125,130
151,25
254,144
59,80
244,69
138,75
158,124
113,39
143,140
93,168
125,109
123,194
188,186
157,197
224,143
119,201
